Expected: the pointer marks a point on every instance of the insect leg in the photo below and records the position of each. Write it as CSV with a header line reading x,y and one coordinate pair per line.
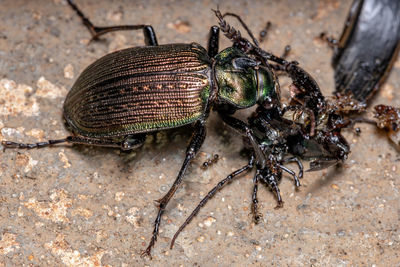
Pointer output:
x,y
264,32
128,143
9,144
194,146
296,179
213,41
297,160
210,194
271,175
254,204
96,32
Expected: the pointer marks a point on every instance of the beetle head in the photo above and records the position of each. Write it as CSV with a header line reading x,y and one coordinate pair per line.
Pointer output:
x,y
242,82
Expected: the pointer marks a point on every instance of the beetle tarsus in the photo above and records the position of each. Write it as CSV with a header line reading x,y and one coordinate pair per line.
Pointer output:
x,y
9,144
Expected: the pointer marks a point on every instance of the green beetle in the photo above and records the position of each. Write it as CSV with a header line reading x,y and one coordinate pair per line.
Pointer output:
x,y
146,89
127,94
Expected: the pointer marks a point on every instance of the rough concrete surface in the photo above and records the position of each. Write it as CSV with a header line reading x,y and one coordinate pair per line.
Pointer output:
x,y
89,206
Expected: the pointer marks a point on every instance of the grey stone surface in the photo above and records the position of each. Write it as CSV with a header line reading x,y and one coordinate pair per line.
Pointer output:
x,y
79,205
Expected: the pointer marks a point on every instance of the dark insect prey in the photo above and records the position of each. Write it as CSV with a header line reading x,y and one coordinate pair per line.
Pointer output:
x,y
308,128
367,48
364,55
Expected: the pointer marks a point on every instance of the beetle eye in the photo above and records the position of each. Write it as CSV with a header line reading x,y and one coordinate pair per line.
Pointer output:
x,y
243,63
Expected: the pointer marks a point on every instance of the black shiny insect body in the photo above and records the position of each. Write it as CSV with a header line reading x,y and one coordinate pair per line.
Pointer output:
x,y
367,48
363,57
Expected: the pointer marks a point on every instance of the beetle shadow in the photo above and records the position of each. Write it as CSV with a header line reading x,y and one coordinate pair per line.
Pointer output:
x,y
157,146
333,174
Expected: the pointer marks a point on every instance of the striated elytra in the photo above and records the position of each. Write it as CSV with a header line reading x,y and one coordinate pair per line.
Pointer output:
x,y
151,88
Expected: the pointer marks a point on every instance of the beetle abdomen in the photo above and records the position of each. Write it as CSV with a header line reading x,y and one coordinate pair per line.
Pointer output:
x,y
138,90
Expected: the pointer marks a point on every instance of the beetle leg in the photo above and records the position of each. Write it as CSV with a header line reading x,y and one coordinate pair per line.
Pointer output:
x,y
128,143
271,180
275,188
210,194
286,51
96,32
254,203
9,144
213,42
264,32
194,146
271,175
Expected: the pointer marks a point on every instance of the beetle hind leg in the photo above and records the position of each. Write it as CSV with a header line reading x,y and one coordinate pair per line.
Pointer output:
x,y
148,31
9,144
128,143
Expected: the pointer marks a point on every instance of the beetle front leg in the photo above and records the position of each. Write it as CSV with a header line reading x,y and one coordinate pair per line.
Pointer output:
x,y
213,42
194,146
148,31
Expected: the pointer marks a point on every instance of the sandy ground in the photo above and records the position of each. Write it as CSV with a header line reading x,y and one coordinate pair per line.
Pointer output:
x,y
88,206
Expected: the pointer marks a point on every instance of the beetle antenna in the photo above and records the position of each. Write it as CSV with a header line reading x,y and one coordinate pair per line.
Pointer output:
x,y
227,29
244,26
